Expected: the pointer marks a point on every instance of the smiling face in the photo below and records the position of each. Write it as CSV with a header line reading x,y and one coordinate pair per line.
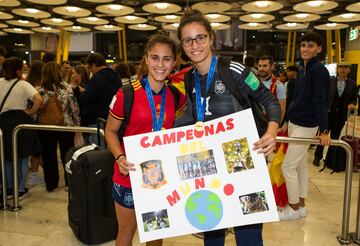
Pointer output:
x,y
309,50
200,41
160,60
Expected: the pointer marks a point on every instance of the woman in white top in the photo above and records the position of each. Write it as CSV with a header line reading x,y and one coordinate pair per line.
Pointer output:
x,y
13,112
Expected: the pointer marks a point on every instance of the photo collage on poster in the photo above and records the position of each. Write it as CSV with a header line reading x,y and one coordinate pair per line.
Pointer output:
x,y
195,165
155,220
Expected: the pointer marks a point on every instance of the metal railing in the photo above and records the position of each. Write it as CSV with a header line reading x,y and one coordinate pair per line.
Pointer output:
x,y
15,132
344,237
2,161
356,235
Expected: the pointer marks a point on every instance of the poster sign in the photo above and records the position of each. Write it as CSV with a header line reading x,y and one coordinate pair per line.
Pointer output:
x,y
191,180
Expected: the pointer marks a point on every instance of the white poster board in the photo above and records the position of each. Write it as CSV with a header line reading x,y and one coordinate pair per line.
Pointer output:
x,y
188,181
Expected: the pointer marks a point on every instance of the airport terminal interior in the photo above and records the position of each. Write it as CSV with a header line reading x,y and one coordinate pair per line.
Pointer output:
x,y
119,30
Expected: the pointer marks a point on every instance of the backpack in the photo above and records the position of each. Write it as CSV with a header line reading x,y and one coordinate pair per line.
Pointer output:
x,y
52,113
244,100
128,91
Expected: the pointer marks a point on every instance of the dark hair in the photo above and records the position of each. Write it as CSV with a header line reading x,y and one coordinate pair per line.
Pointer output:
x,y
292,68
50,76
83,73
10,67
34,75
64,62
311,37
2,50
97,59
83,60
48,57
132,69
123,70
194,15
160,38
250,61
266,57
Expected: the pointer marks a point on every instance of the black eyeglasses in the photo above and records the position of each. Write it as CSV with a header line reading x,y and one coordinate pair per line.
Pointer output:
x,y
200,39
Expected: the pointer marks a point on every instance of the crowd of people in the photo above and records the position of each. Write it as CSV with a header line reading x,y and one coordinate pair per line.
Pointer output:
x,y
294,100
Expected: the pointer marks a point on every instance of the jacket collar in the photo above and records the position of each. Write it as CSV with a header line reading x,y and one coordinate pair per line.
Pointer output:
x,y
310,63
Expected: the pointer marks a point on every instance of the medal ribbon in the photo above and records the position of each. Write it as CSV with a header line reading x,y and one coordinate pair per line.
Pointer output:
x,y
201,101
156,122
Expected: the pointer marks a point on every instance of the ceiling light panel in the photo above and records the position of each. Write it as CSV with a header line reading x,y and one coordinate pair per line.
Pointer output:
x,y
345,17
315,6
9,3
217,17
47,2
212,7
23,23
5,16
31,12
331,26
57,22
254,26
161,8
73,11
168,18
92,20
262,6
302,17
142,27
45,29
292,26
115,9
130,19
257,17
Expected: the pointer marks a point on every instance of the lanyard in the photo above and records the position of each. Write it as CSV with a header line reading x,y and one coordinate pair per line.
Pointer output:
x,y
156,122
201,101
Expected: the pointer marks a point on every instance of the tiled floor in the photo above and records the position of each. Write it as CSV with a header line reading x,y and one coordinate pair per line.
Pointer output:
x,y
43,218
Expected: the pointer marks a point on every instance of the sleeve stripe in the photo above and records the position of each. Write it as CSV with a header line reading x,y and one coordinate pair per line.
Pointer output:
x,y
115,116
236,70
238,65
181,108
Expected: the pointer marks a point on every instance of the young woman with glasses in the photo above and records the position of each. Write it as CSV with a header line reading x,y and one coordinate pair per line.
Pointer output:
x,y
196,38
153,109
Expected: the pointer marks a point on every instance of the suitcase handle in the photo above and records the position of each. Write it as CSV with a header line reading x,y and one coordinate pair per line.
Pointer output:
x,y
347,124
100,123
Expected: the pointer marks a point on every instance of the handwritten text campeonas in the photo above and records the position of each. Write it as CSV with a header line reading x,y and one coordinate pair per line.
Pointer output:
x,y
190,134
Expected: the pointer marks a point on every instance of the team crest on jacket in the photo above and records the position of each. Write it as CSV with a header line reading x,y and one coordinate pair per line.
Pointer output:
x,y
219,87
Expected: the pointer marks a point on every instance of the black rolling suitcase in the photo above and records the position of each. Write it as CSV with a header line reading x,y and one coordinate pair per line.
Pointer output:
x,y
91,210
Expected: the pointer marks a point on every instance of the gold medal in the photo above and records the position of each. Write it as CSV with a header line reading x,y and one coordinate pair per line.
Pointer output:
x,y
163,128
199,126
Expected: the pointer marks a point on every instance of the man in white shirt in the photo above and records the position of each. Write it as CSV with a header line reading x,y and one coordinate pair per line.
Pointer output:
x,y
266,76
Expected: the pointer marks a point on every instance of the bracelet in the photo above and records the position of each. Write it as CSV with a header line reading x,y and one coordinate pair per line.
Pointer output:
x,y
118,157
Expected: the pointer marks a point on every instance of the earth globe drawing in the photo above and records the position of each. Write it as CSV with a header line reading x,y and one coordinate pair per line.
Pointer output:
x,y
204,209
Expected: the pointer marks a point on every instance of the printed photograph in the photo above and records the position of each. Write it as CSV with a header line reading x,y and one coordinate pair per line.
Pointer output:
x,y
253,203
152,174
196,165
237,155
155,220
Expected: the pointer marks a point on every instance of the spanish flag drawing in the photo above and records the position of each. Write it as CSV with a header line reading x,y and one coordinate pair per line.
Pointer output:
x,y
276,176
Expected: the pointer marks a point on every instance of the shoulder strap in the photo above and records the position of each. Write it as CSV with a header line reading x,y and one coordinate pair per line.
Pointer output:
x,y
7,94
188,85
128,91
176,95
225,76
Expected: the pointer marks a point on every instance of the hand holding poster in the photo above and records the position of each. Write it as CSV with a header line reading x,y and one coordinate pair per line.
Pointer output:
x,y
188,181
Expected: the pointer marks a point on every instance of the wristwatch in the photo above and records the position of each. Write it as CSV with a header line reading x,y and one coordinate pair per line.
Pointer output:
x,y
326,132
